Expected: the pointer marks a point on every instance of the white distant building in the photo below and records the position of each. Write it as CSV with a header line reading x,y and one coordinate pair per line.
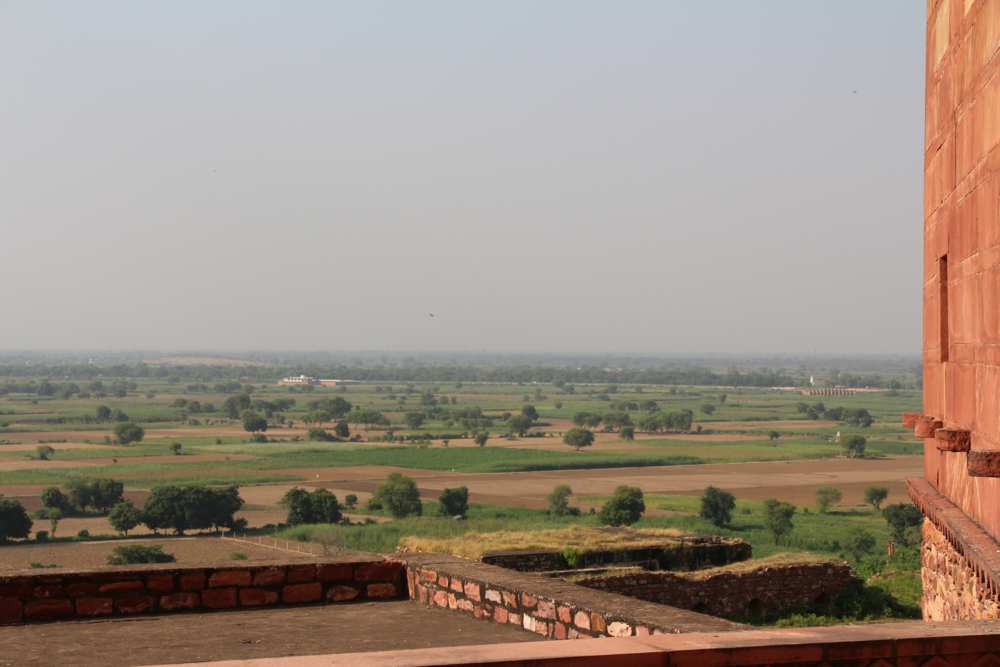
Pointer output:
x,y
299,380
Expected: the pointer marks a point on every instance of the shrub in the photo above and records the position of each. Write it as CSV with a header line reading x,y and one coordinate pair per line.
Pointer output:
x,y
176,448
778,517
83,534
454,502
42,536
44,452
53,498
859,542
826,497
717,506
321,435
624,508
902,517
400,496
627,433
238,555
351,501
482,438
132,554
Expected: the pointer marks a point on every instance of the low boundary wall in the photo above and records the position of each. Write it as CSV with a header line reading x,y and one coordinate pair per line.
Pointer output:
x,y
137,589
549,607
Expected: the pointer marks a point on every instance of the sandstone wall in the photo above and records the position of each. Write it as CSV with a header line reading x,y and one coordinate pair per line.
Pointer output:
x,y
952,589
130,590
749,595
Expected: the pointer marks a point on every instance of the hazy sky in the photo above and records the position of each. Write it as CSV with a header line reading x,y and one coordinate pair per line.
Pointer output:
x,y
542,176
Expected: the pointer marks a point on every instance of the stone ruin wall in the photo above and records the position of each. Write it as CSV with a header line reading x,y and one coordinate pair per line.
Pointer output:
x,y
953,590
750,595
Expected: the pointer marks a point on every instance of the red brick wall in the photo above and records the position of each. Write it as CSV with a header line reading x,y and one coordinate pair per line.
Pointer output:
x,y
962,222
140,589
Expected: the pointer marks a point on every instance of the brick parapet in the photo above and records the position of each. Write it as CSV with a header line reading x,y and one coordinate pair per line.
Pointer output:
x,y
549,607
29,596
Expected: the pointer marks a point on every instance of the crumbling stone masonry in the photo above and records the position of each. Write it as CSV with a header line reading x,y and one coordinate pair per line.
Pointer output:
x,y
743,595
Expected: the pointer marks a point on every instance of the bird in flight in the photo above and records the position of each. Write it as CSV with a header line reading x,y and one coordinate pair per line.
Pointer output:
x,y
431,315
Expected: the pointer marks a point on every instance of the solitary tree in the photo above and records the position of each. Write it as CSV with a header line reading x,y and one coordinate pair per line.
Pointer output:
x,y
876,495
530,412
778,517
414,419
176,448
482,438
578,438
14,521
826,497
54,516
559,501
627,433
708,408
124,517
520,424
44,452
624,508
53,498
854,446
773,436
400,496
454,502
128,432
901,517
717,506
342,429
253,422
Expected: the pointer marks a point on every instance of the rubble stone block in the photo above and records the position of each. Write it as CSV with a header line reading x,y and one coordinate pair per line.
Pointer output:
x,y
224,578
219,598
256,597
299,593
341,593
180,601
94,606
48,610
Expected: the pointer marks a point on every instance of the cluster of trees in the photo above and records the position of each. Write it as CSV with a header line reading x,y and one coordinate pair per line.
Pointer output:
x,y
341,431
128,432
854,446
104,413
625,506
320,506
180,508
853,416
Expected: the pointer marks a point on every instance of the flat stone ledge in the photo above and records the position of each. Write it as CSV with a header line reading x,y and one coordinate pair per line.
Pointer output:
x,y
908,643
974,544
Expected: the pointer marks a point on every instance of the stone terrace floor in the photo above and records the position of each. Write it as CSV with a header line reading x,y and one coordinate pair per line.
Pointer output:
x,y
234,635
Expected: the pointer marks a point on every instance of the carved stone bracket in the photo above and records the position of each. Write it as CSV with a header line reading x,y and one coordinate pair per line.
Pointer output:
x,y
953,439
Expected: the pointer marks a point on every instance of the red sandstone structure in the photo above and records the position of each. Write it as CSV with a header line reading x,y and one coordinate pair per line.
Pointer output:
x,y
960,424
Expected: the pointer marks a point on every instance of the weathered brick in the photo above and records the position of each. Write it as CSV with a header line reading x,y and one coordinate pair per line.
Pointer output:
x,y
300,574
597,623
160,583
192,581
94,606
121,587
423,593
428,576
49,591
223,578
641,631
500,615
510,599
480,612
335,572
546,609
528,601
255,597
456,584
383,571
269,576
565,614
382,591
542,627
300,593
466,605
81,589
177,601
559,632
582,620
344,593
219,598
493,596
452,601
48,610
441,599
135,604
11,611
472,591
